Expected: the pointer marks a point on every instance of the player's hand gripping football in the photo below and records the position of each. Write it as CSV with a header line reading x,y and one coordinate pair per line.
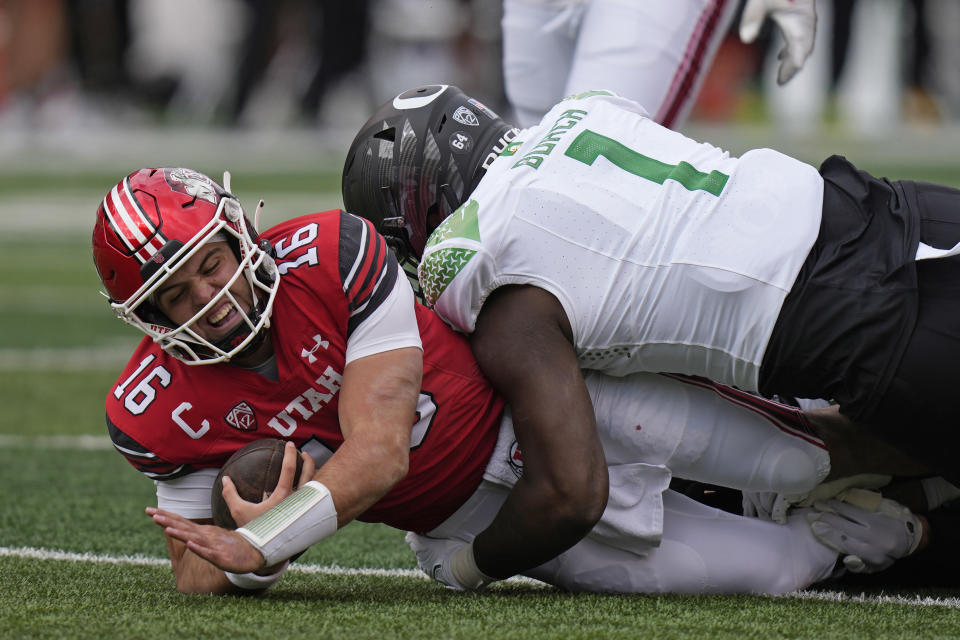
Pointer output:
x,y
228,550
244,511
797,20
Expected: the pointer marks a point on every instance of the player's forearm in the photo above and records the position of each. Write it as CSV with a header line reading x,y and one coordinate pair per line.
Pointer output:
x,y
561,496
530,529
362,471
523,345
559,499
378,402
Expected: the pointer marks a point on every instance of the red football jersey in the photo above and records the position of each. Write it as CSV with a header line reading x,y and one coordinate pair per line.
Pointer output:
x,y
170,419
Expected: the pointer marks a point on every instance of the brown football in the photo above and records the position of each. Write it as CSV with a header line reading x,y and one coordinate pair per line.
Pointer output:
x,y
255,470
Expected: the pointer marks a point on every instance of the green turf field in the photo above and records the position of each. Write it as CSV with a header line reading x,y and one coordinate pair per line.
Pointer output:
x,y
79,559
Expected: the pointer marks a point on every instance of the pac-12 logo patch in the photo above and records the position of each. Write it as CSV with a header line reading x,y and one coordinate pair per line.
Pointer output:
x,y
242,417
465,116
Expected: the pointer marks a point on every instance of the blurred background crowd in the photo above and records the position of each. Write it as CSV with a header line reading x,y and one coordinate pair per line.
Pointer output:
x,y
82,66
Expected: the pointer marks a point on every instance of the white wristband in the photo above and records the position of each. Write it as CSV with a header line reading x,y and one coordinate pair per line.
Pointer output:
x,y
463,567
256,582
302,519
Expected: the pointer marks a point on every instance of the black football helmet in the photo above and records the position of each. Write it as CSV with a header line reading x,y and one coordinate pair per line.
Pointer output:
x,y
417,159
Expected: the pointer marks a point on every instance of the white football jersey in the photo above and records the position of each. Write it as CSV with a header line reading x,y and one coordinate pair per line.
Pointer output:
x,y
666,254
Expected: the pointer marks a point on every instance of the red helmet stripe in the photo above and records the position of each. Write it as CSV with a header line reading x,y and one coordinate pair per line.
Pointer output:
x,y
116,222
131,224
156,241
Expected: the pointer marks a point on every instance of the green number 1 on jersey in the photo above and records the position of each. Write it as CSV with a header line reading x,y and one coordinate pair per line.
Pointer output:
x,y
589,145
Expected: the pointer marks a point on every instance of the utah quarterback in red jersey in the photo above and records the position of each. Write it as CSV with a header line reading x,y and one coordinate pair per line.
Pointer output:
x,y
340,362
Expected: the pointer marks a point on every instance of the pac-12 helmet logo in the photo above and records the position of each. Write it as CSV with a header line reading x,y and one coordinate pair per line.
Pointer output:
x,y
466,117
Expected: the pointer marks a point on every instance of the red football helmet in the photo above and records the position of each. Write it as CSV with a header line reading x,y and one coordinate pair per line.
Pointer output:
x,y
152,221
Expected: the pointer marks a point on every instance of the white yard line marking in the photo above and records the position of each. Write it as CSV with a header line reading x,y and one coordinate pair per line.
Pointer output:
x,y
85,442
144,561
138,560
65,359
47,554
839,596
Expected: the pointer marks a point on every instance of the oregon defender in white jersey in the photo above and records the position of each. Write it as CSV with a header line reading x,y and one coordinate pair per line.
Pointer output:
x,y
759,271
656,246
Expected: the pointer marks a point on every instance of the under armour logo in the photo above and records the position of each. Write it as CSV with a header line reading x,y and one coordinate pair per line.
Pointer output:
x,y
308,353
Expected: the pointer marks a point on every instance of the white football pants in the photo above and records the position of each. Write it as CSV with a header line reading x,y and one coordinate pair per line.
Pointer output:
x,y
708,432
701,550
651,539
656,53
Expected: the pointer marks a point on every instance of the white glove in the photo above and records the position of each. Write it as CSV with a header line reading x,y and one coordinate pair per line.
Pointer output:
x,y
869,541
797,20
448,561
769,505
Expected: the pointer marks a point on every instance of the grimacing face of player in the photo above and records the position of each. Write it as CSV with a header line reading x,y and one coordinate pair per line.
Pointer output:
x,y
198,281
